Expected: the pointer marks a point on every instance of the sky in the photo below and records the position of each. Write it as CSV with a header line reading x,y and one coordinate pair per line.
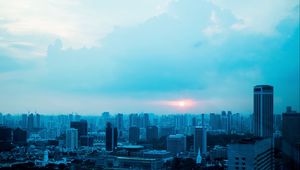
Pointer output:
x,y
158,56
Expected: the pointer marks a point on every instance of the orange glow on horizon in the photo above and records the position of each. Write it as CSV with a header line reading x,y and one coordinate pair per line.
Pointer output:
x,y
180,104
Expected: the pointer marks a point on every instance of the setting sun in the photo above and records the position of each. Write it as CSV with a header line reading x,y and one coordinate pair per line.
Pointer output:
x,y
181,103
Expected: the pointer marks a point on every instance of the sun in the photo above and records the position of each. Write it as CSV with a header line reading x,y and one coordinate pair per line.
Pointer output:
x,y
181,103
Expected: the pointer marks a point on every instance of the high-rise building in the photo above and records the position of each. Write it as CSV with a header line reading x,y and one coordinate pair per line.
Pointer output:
x,y
224,121
291,139
176,143
151,133
81,126
166,131
106,117
24,121
86,140
72,138
134,120
111,136
229,122
134,134
278,122
194,121
236,122
30,121
37,120
181,121
119,124
263,111
251,154
119,121
215,121
200,140
144,120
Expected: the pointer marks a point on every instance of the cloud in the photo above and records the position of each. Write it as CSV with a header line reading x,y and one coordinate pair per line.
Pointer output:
x,y
259,16
209,56
77,23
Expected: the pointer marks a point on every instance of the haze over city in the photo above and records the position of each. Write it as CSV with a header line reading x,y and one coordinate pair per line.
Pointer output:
x,y
160,56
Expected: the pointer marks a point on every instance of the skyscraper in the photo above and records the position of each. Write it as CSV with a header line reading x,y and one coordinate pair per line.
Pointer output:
x,y
81,126
224,121
144,120
134,134
200,139
37,120
263,111
111,136
119,121
30,121
151,133
24,121
134,120
72,138
291,139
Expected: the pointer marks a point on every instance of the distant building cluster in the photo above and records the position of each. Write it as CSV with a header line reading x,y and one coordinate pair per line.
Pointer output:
x,y
225,140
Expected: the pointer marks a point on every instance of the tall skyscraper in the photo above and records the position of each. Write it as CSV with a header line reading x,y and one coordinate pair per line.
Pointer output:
x,y
200,140
215,121
224,121
263,111
291,139
151,133
134,134
72,138
30,121
229,122
105,117
37,120
144,120
134,120
194,121
119,121
111,136
81,126
24,121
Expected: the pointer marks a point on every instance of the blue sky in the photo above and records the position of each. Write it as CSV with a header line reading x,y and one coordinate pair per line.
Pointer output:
x,y
147,56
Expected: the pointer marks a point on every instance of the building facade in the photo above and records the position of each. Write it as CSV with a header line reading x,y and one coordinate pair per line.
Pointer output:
x,y
72,139
134,134
251,154
111,137
200,140
291,139
176,144
263,111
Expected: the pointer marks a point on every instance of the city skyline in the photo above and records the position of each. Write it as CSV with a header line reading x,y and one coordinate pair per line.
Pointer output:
x,y
163,56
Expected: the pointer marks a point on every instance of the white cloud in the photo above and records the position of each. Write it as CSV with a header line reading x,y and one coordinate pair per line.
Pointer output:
x,y
215,27
260,16
78,23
